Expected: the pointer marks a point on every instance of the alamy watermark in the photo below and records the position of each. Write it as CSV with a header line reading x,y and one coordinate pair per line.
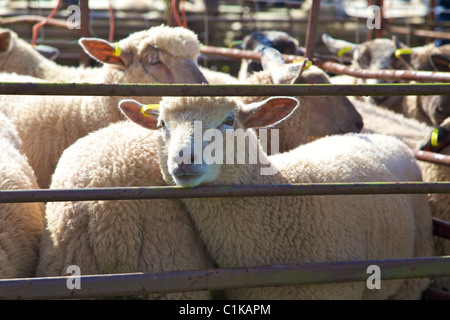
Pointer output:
x,y
213,153
74,281
74,20
374,280
374,19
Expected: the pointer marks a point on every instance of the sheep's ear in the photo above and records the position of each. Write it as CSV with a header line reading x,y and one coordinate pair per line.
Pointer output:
x,y
341,48
267,112
281,72
47,51
102,50
5,40
144,115
440,62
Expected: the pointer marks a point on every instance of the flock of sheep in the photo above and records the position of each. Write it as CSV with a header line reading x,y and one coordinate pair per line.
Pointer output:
x,y
102,141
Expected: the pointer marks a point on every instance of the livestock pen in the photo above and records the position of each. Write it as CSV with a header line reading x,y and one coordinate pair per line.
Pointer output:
x,y
109,285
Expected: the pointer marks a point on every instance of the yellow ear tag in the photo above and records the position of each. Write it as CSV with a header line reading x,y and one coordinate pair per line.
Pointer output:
x,y
400,52
434,137
149,107
117,51
233,43
343,51
308,63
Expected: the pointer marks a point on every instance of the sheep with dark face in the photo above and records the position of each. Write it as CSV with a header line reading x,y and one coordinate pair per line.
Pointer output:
x,y
258,40
320,115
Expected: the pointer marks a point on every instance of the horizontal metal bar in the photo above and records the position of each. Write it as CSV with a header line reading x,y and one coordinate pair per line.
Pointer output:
x,y
421,33
222,278
333,67
87,89
211,191
433,157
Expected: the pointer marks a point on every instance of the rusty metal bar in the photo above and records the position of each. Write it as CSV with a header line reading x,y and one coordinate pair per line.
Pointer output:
x,y
337,68
221,278
433,157
33,19
251,190
86,89
421,33
311,28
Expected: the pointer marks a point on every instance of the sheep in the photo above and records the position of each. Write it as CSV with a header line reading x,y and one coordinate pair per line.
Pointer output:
x,y
432,110
118,236
18,56
49,124
21,224
256,231
376,54
379,54
321,115
258,40
416,135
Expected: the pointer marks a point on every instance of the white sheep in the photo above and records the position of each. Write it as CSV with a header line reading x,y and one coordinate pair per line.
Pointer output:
x,y
118,236
416,134
18,56
256,231
382,54
320,115
49,124
21,224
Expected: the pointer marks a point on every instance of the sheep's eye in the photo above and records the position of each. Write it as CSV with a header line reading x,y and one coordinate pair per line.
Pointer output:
x,y
153,59
439,110
161,124
229,121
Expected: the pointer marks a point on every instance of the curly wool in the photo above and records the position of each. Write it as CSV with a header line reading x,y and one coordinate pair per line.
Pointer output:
x,y
21,224
118,236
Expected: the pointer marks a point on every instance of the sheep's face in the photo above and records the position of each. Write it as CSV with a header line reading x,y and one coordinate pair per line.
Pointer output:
x,y
439,140
435,108
430,58
200,136
278,40
189,129
158,55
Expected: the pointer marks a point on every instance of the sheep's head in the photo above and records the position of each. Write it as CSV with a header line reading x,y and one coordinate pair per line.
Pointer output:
x,y
377,54
258,40
158,55
431,58
197,134
328,115
439,138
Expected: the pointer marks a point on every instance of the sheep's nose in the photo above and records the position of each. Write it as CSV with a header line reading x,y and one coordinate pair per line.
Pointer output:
x,y
185,167
359,125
